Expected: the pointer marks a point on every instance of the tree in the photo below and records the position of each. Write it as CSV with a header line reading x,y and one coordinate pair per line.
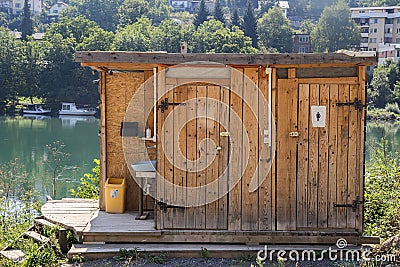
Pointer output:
x,y
274,31
213,37
250,24
159,11
56,162
218,13
265,5
98,39
26,26
235,19
34,64
131,10
3,19
103,12
77,28
90,184
201,15
134,37
166,37
382,89
331,34
307,26
11,66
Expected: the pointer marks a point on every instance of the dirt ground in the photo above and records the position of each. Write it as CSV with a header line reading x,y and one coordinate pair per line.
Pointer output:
x,y
207,262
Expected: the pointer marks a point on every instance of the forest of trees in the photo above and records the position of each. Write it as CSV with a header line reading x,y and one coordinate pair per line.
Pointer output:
x,y
46,68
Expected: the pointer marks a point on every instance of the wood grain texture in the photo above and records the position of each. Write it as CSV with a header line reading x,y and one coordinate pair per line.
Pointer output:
x,y
359,182
191,154
353,169
250,122
323,171
236,137
303,156
180,148
313,173
265,190
212,172
97,57
286,155
342,166
223,157
333,154
103,139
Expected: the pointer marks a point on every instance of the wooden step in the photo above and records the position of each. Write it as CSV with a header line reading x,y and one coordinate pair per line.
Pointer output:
x,y
37,236
97,251
15,255
44,222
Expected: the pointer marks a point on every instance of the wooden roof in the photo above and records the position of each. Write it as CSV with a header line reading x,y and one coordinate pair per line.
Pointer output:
x,y
147,60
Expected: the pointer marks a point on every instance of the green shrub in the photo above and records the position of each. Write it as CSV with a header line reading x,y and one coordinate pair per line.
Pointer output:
x,y
90,184
392,107
382,193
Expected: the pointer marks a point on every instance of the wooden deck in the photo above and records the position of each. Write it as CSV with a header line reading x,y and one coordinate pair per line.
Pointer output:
x,y
84,218
90,225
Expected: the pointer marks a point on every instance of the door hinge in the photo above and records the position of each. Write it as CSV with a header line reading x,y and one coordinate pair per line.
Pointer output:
x,y
354,204
164,206
165,104
358,105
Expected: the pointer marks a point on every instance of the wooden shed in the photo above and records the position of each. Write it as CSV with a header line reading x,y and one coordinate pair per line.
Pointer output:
x,y
291,171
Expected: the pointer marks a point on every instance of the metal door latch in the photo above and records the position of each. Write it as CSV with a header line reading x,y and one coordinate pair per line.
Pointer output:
x,y
353,205
164,206
165,104
358,105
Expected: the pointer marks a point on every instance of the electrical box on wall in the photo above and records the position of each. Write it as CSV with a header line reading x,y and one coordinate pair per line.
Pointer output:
x,y
318,116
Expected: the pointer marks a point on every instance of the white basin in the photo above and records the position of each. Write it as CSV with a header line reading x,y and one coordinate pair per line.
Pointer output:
x,y
144,166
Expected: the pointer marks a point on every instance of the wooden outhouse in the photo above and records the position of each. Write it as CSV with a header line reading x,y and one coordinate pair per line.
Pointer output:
x,y
291,170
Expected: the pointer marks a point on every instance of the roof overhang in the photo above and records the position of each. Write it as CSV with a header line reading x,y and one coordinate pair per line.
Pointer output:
x,y
148,60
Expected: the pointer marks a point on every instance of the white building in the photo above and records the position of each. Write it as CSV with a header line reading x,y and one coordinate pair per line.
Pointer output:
x,y
378,25
284,5
55,10
18,5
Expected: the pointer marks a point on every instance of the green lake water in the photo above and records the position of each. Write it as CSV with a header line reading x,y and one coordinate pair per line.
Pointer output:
x,y
25,138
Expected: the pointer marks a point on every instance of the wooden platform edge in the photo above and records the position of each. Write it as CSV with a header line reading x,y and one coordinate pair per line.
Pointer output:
x,y
188,250
240,238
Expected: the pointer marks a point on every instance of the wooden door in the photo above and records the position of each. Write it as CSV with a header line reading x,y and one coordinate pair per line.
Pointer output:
x,y
193,154
319,171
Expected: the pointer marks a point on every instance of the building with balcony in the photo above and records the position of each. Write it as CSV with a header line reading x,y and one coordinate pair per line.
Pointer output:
x,y
378,25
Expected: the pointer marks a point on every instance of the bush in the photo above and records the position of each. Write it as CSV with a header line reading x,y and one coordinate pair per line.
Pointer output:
x,y
392,107
382,193
90,184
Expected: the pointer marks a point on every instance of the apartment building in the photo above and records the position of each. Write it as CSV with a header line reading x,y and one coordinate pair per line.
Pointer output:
x,y
17,6
378,25
301,43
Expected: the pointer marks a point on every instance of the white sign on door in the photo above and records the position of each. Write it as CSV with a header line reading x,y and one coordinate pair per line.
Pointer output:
x,y
318,116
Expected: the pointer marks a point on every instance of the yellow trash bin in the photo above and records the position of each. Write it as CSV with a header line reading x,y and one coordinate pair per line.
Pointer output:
x,y
115,195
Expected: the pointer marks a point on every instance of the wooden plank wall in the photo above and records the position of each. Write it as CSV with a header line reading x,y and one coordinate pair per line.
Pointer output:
x,y
120,89
309,174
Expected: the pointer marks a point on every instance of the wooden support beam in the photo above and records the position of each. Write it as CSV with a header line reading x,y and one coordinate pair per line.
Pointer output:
x,y
93,58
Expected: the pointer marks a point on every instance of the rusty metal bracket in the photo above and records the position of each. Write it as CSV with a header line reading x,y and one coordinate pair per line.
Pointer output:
x,y
358,105
164,206
353,205
165,104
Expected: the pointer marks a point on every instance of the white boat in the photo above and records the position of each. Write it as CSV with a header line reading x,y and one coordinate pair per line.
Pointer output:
x,y
35,109
69,121
71,109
